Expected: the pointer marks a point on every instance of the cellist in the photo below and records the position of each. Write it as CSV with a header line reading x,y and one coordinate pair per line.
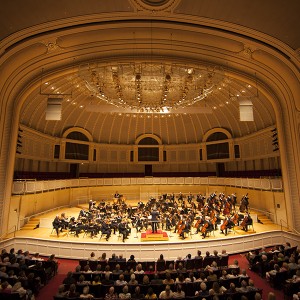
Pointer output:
x,y
207,227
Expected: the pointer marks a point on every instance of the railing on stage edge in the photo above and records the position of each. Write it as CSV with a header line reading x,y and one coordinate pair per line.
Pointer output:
x,y
21,187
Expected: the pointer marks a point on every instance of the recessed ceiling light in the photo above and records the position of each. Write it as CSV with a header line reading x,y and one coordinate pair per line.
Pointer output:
x,y
46,83
227,102
249,86
243,91
81,106
52,88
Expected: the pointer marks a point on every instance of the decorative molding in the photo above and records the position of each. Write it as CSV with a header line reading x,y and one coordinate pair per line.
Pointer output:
x,y
52,46
155,5
247,51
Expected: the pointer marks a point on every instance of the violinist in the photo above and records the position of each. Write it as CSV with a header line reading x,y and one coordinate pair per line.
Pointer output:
x,y
123,230
180,197
64,221
75,226
138,223
105,229
169,224
190,198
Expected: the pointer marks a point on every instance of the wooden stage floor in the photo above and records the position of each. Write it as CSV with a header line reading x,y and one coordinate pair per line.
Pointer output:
x,y
134,237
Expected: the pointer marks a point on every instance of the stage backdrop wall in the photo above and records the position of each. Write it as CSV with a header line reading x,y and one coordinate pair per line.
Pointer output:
x,y
22,207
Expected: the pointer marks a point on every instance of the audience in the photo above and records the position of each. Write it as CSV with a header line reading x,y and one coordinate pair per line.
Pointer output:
x,y
14,266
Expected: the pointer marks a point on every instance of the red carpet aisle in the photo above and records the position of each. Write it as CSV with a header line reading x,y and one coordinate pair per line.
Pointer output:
x,y
66,265
48,291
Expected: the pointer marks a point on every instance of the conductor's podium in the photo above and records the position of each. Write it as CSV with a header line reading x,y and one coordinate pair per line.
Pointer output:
x,y
148,236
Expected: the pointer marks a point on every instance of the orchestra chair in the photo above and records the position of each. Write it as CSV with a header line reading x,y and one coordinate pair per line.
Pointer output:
x,y
223,262
71,231
207,261
83,263
198,263
160,266
190,264
54,229
131,265
93,264
168,262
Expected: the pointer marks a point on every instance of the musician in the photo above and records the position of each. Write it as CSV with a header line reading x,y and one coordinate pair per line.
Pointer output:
x,y
190,198
246,222
154,219
105,229
138,223
234,200
172,197
227,224
92,205
180,197
57,224
75,226
64,221
244,203
200,222
169,224
224,226
207,227
184,228
123,230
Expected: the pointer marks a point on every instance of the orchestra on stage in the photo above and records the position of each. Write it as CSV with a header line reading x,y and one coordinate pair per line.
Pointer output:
x,y
181,214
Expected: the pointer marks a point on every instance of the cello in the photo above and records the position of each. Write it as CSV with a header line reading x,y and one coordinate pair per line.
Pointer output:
x,y
181,228
224,225
204,227
244,222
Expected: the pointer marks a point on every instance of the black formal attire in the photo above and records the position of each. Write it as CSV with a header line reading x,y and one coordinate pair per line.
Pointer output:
x,y
56,225
154,220
105,229
123,230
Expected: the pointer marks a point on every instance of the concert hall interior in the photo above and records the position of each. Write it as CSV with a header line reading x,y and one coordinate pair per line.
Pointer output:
x,y
159,125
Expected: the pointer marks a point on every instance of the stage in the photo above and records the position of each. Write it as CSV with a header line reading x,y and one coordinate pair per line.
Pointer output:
x,y
46,242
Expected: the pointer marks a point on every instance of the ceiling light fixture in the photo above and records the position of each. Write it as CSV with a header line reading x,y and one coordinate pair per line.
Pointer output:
x,y
152,87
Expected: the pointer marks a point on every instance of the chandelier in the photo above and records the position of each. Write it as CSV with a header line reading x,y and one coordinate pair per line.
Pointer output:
x,y
153,87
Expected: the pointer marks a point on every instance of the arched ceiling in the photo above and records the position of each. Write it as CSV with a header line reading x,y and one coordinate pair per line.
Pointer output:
x,y
136,34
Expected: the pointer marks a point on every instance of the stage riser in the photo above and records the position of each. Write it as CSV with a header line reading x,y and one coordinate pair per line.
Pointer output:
x,y
150,250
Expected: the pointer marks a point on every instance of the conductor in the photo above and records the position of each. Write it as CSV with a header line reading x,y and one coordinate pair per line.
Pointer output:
x,y
154,219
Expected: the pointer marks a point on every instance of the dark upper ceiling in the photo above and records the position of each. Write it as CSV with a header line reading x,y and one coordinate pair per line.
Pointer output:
x,y
274,18
277,18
